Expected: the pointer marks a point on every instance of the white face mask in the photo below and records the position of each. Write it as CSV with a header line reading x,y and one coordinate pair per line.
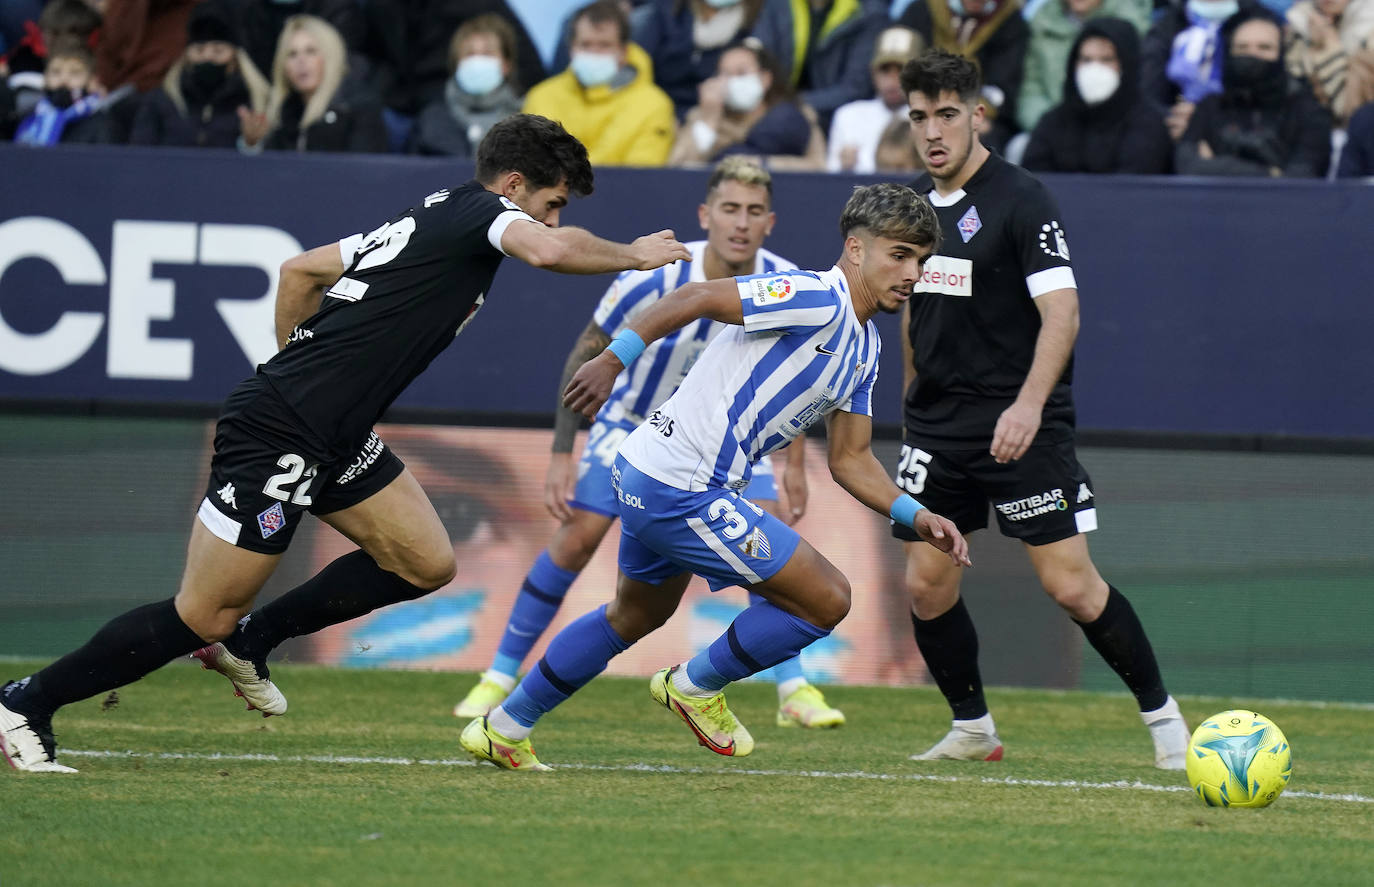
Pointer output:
x,y
743,92
723,4
1096,82
594,68
479,74
1213,10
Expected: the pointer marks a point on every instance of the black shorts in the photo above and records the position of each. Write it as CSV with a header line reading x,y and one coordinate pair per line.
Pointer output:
x,y
262,480
1043,497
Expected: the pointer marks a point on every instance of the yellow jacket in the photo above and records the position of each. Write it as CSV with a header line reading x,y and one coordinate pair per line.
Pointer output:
x,y
630,126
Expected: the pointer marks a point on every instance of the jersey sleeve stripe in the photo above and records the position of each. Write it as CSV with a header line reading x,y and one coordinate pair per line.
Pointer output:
x,y
348,249
501,223
650,287
1051,279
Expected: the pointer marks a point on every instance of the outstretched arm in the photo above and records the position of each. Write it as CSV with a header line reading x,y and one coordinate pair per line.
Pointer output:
x,y
579,251
301,286
560,480
713,299
858,471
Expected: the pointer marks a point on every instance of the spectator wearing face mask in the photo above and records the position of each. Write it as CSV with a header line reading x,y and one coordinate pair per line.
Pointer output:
x,y
69,112
203,94
857,128
1263,122
748,108
1054,30
1330,43
1180,61
607,98
1103,125
685,39
991,32
480,92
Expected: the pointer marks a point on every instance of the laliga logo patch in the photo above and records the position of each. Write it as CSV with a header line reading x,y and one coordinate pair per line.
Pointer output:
x,y
774,290
970,224
1052,235
271,520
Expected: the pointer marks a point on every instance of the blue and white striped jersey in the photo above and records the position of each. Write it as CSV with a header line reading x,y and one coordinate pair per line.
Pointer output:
x,y
643,387
800,354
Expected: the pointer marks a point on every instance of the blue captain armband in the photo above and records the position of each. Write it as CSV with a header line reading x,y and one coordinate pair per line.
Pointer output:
x,y
626,346
904,509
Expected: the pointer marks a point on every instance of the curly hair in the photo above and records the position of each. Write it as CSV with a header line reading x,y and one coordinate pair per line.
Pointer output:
x,y
539,149
937,71
893,211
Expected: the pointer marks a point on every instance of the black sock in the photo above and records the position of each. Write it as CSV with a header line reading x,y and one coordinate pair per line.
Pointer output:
x,y
351,586
124,650
949,645
1119,638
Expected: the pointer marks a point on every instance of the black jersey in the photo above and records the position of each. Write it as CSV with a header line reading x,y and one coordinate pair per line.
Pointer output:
x,y
409,288
973,322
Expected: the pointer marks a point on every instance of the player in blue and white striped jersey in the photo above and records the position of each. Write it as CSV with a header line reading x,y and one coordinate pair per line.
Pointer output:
x,y
737,215
802,345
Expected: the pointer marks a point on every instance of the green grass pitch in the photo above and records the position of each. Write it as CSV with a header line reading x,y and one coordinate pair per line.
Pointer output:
x,y
363,783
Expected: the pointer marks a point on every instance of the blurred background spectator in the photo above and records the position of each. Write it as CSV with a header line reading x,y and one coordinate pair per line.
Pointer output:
x,y
1263,122
478,95
140,40
990,31
1103,125
1328,44
823,48
408,41
204,93
315,105
896,152
685,38
1054,31
14,16
858,127
69,111
263,21
1357,157
607,97
748,107
1181,58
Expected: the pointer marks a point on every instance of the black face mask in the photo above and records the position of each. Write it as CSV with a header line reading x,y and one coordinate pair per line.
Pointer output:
x,y
61,99
1254,81
203,79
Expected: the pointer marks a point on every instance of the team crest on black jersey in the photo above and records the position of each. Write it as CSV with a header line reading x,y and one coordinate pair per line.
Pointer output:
x,y
970,224
1052,241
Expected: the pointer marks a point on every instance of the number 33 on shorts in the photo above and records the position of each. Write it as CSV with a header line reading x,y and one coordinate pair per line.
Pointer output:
x,y
912,471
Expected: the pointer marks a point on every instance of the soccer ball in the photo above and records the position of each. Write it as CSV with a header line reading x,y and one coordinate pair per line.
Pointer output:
x,y
1238,759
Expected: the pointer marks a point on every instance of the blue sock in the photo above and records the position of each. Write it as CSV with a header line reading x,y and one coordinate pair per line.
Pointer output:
x,y
760,637
788,669
578,654
538,602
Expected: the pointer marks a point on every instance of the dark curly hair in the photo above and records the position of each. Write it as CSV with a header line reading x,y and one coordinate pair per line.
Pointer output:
x,y
936,71
893,211
539,149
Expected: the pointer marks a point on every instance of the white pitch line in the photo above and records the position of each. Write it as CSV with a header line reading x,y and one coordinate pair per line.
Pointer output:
x,y
1135,785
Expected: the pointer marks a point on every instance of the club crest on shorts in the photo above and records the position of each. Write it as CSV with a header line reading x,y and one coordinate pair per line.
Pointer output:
x,y
756,545
970,224
271,520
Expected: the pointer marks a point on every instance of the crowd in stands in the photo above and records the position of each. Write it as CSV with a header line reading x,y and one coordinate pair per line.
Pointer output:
x,y
1275,88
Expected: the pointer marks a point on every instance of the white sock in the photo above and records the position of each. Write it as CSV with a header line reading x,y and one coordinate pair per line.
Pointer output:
x,y
685,686
506,725
507,681
1165,712
790,686
978,725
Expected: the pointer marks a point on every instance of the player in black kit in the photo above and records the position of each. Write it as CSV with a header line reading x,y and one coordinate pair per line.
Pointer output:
x,y
357,321
989,414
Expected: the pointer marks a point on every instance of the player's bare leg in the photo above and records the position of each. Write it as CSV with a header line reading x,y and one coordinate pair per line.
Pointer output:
x,y
1112,627
949,644
404,553
217,587
541,594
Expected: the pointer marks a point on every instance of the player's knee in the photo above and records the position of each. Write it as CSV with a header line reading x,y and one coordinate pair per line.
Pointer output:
x,y
632,619
832,605
432,571
572,547
213,626
1083,597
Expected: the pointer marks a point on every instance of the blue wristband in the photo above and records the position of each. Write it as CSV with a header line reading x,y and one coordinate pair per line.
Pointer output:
x,y
626,346
904,510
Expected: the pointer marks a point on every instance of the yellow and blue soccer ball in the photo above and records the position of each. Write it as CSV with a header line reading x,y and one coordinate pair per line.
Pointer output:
x,y
1239,759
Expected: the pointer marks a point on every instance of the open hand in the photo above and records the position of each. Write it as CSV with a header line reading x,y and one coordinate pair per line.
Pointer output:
x,y
658,249
941,532
1015,431
559,483
592,383
252,126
